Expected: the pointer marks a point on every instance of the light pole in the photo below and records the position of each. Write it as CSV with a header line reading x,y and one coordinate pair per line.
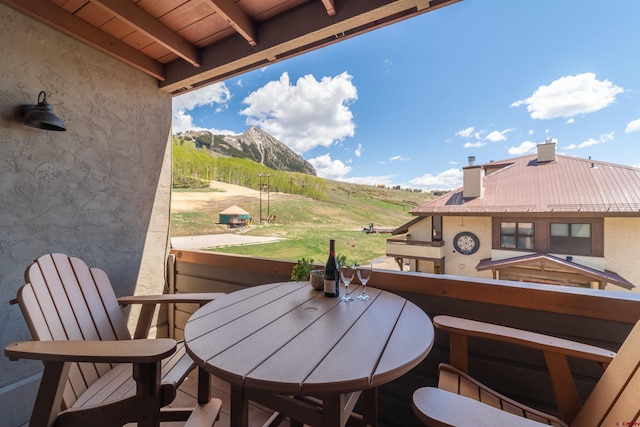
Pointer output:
x,y
263,186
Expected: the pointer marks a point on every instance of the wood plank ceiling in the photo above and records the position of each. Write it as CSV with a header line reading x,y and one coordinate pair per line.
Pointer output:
x,y
186,44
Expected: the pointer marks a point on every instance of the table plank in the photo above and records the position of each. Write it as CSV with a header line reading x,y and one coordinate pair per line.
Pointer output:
x,y
248,355
287,369
229,300
222,323
410,343
351,363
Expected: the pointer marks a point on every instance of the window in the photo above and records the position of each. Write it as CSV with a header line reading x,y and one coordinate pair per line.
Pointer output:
x,y
566,238
436,228
517,235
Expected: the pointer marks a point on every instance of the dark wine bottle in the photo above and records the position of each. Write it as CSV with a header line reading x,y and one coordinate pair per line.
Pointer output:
x,y
332,273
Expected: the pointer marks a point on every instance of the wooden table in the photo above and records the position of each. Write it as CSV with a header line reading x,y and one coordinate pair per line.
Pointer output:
x,y
277,344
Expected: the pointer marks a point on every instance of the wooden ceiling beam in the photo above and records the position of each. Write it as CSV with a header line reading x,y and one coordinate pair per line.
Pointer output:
x,y
302,29
330,5
156,30
305,27
239,20
58,18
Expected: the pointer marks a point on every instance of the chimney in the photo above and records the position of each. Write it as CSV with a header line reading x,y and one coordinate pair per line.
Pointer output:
x,y
547,151
472,185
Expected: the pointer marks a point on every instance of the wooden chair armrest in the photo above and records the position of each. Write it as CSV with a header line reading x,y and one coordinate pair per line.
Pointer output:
x,y
555,351
440,408
149,302
126,351
189,298
473,328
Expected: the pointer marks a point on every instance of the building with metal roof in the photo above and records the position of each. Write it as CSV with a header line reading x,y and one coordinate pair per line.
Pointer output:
x,y
546,218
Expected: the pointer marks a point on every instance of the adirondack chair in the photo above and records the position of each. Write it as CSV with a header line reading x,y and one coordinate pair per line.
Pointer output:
x,y
95,374
461,400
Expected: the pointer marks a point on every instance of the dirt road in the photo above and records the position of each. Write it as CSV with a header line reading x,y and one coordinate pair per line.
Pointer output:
x,y
225,195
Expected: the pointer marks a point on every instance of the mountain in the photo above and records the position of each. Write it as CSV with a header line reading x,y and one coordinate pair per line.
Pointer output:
x,y
255,144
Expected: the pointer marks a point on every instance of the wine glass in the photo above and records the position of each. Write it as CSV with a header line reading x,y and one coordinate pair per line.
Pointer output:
x,y
364,274
346,274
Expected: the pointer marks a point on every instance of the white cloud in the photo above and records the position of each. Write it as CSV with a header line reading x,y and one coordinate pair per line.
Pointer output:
x,y
369,180
217,93
304,115
465,133
387,66
493,136
497,135
182,122
569,96
605,137
591,141
330,169
474,144
447,180
570,121
530,132
524,148
633,126
398,158
358,151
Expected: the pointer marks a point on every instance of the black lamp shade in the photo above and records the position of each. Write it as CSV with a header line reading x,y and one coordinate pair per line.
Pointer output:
x,y
41,116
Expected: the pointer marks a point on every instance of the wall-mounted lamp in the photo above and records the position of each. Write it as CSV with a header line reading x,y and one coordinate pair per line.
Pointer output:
x,y
41,116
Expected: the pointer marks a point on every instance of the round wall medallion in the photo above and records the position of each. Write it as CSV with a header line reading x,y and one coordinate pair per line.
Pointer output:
x,y
466,243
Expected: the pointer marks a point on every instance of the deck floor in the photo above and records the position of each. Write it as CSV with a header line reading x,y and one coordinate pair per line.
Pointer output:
x,y
187,394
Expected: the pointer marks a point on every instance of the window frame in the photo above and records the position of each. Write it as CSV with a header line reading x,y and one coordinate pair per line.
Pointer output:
x,y
517,236
542,223
574,245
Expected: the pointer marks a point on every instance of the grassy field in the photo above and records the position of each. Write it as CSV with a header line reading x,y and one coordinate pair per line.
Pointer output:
x,y
307,225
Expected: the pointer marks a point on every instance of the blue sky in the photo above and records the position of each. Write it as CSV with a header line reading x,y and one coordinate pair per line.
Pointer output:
x,y
409,103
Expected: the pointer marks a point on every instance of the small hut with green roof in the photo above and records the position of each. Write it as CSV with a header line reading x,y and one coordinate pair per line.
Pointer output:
x,y
234,216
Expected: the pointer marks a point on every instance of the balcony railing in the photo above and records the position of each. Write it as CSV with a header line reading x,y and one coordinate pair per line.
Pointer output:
x,y
415,249
602,318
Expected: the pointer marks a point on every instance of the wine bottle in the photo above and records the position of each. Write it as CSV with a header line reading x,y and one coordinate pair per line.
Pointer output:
x,y
332,273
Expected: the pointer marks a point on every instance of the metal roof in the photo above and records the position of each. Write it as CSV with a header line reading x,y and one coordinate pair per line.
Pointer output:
x,y
549,262
567,185
186,44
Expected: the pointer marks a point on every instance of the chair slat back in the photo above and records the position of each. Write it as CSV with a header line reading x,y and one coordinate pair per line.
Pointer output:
x,y
65,300
614,399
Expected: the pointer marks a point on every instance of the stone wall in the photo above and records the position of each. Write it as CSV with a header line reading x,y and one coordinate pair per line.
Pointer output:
x,y
99,191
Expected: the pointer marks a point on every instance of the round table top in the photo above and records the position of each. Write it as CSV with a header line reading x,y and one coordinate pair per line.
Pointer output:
x,y
287,338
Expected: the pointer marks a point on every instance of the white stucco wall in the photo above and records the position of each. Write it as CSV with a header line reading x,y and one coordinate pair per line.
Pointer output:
x,y
99,191
460,264
421,231
620,237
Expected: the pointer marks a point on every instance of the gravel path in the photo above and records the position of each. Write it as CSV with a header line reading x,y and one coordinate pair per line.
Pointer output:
x,y
217,240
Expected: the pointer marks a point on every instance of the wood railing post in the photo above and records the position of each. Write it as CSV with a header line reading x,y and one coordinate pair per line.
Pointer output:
x,y
458,352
